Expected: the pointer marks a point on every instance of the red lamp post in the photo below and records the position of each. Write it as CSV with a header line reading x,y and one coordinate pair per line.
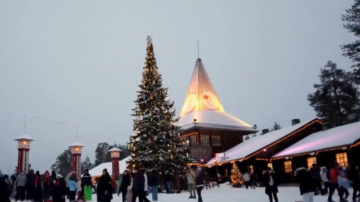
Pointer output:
x,y
23,154
76,150
115,157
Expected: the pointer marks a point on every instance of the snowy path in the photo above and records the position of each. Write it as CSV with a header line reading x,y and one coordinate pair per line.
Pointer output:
x,y
229,194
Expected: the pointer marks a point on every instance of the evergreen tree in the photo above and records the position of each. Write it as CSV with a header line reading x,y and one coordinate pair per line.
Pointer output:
x,y
101,153
63,163
336,96
86,164
155,142
276,126
352,50
236,176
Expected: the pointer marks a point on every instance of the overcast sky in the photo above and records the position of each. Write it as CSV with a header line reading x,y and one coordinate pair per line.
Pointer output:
x,y
79,63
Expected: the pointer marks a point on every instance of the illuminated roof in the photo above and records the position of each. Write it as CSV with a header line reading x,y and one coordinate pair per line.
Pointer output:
x,y
335,137
259,142
203,105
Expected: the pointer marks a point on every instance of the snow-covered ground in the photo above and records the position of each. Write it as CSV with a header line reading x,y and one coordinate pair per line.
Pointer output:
x,y
228,194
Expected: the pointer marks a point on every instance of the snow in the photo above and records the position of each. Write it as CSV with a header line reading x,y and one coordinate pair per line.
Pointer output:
x,y
335,137
254,144
114,149
76,144
97,171
24,137
213,119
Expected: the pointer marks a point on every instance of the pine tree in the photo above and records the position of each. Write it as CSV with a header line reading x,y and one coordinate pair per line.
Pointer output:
x,y
276,126
155,142
236,176
101,153
352,50
63,163
336,97
86,164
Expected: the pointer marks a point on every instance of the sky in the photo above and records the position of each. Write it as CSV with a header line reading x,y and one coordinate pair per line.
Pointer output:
x,y
67,63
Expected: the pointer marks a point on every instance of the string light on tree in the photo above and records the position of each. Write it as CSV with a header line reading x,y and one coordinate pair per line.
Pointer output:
x,y
236,176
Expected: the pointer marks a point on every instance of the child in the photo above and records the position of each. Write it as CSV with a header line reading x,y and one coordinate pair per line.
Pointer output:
x,y
72,189
344,184
80,197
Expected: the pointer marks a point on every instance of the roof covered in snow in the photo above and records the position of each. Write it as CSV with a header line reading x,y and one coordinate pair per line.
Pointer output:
x,y
335,137
76,144
24,137
203,105
97,171
259,142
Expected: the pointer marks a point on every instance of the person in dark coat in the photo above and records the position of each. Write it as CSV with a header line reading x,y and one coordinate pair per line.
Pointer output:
x,y
104,188
38,188
169,182
354,176
86,180
270,183
176,182
315,172
46,186
138,187
4,189
153,182
30,185
59,190
200,177
125,182
307,183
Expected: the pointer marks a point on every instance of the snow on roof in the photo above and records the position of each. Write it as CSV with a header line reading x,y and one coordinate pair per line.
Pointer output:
x,y
114,149
24,137
97,171
254,144
213,119
76,144
335,137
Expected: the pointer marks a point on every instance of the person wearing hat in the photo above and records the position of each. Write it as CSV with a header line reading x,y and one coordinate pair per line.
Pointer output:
x,y
86,180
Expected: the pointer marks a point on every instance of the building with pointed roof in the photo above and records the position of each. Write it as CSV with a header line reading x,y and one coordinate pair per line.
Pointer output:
x,y
207,127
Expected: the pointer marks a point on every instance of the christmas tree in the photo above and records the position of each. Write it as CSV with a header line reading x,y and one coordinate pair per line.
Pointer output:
x,y
236,176
156,142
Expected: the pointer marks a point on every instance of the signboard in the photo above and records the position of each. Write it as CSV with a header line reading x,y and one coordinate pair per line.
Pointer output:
x,y
220,157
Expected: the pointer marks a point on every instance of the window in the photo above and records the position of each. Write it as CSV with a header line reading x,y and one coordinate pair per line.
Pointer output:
x,y
269,165
288,166
192,140
251,169
205,140
341,159
311,161
186,141
215,140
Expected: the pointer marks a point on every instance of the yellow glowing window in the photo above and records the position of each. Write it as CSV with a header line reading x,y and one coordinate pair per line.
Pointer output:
x,y
310,162
341,159
269,165
288,166
251,169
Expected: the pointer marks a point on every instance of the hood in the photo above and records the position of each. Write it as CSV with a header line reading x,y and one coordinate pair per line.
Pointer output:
x,y
298,170
86,171
47,174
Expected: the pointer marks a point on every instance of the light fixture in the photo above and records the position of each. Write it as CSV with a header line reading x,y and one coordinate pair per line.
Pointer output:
x,y
312,153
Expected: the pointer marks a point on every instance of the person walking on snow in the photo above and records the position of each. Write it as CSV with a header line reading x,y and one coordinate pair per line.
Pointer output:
x,y
344,185
86,180
333,175
270,183
154,184
4,189
190,176
125,183
200,177
324,174
246,178
20,186
307,184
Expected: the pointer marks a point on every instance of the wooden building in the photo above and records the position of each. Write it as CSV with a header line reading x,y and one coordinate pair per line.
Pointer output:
x,y
206,126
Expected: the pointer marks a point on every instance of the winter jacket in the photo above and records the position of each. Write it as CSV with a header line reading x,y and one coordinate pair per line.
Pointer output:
x,y
4,191
72,185
30,182
125,182
138,185
59,192
67,178
324,174
153,179
168,177
21,180
270,182
344,182
246,177
190,176
306,180
86,179
200,177
354,175
315,172
334,173
104,188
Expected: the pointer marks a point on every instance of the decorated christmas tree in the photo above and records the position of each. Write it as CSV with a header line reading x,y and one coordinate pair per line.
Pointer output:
x,y
236,176
156,142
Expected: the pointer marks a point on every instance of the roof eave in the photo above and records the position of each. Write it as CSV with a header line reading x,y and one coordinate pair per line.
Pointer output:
x,y
218,126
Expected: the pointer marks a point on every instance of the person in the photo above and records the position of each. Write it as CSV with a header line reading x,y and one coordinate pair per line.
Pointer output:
x,y
169,182
246,178
4,189
72,188
218,179
30,185
325,179
80,197
46,186
20,186
37,192
354,176
59,189
190,176
86,180
315,172
146,183
252,180
200,177
270,183
104,189
154,184
129,194
125,183
207,180
344,185
307,184
333,176
176,182
138,186
67,178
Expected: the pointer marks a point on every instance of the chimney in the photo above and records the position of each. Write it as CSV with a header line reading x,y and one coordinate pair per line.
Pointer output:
x,y
295,121
326,126
264,131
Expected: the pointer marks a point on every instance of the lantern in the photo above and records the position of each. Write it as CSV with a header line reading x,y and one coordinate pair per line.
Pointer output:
x,y
23,153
